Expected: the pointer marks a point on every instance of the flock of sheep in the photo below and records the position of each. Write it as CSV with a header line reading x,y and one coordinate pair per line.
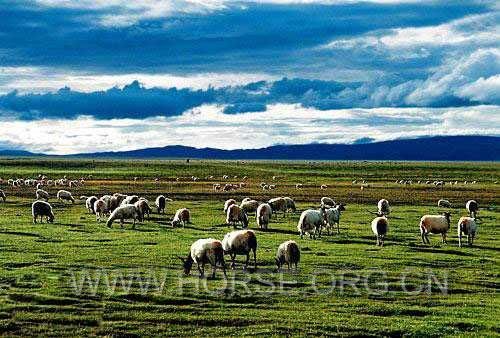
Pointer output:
x,y
120,207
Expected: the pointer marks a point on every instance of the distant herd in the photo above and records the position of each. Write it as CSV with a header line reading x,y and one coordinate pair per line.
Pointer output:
x,y
312,222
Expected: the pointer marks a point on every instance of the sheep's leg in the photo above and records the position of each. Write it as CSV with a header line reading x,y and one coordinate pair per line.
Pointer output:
x,y
443,238
254,259
223,264
288,263
200,270
460,239
233,263
378,240
121,223
338,227
381,241
246,262
423,237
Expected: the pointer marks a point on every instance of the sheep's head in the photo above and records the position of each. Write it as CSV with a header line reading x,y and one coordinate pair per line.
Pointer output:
x,y
187,263
50,219
447,215
341,207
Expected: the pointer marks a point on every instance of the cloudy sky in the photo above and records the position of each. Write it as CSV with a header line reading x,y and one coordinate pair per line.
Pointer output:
x,y
83,76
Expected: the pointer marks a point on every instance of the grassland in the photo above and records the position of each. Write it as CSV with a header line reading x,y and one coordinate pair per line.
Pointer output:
x,y
345,286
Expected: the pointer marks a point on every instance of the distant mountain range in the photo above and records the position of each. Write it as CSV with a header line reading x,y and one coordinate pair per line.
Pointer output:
x,y
441,148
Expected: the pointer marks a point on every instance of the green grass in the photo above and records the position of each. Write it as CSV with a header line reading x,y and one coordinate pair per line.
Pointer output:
x,y
38,262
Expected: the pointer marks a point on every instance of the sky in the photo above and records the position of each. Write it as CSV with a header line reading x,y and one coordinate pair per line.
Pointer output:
x,y
79,76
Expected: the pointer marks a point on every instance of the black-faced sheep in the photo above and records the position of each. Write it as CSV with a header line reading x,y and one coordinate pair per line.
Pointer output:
x,y
472,207
42,209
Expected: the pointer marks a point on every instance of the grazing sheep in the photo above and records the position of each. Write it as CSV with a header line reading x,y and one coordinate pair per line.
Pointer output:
x,y
42,195
114,202
332,216
383,207
380,227
327,202
228,203
124,212
323,187
129,200
42,209
278,204
249,206
289,253
290,205
100,209
64,195
435,224
236,215
240,242
310,222
466,226
89,203
264,213
472,207
119,198
181,216
161,203
144,209
207,250
3,196
444,203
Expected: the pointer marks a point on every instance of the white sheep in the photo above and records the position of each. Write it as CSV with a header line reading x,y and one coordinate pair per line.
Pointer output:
x,y
228,203
264,213
310,222
332,216
466,226
383,207
435,224
240,242
42,195
207,250
289,253
129,200
472,207
144,209
380,226
100,209
327,202
236,215
278,204
444,203
249,205
181,216
124,212
42,209
64,195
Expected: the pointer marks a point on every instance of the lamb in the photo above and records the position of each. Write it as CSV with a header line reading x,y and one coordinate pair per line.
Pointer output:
x,y
42,194
332,216
124,212
236,215
436,224
64,195
249,206
100,209
240,242
181,216
161,203
380,227
289,253
466,226
327,202
278,204
472,207
143,206
310,222
3,196
264,213
444,203
207,250
383,207
42,208
228,203
289,205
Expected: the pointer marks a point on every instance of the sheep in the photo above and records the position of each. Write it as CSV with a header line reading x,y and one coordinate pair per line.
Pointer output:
x,y
89,203
264,213
181,216
124,212
143,206
332,216
380,227
3,196
278,204
310,222
249,206
444,203
327,202
436,224
289,253
100,209
323,187
236,215
472,207
64,195
216,187
42,194
228,203
466,226
207,250
240,242
115,201
129,200
299,186
289,205
119,198
42,208
161,203
383,207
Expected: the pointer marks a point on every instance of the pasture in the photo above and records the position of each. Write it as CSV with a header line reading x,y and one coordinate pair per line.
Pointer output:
x,y
78,277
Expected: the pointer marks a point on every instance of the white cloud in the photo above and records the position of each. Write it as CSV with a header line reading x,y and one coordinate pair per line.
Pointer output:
x,y
483,89
207,126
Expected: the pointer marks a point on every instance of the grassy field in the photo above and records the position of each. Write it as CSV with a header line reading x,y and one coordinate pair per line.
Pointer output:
x,y
77,277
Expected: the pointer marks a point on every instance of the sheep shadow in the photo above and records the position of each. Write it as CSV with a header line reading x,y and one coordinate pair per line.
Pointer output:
x,y
438,251
277,231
